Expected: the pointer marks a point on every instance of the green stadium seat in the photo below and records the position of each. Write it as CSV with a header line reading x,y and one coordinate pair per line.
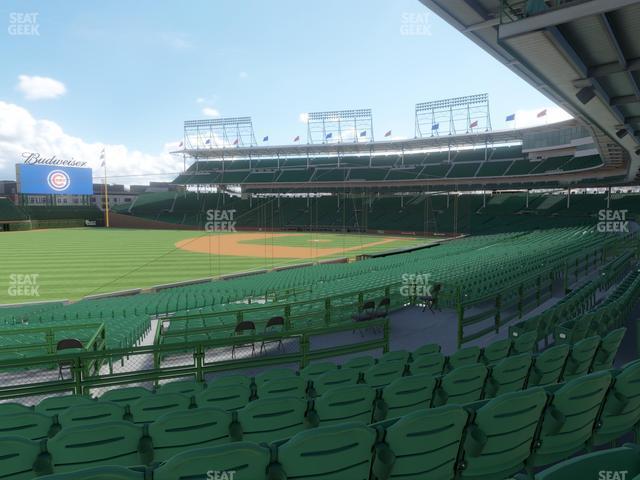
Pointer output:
x,y
109,443
570,418
272,374
549,365
338,452
407,394
11,408
285,386
509,375
227,397
608,349
271,419
176,432
496,351
248,460
464,356
56,405
500,438
427,349
31,425
227,380
463,385
96,412
525,343
149,408
581,358
432,364
99,473
335,378
422,445
395,356
383,374
314,370
348,403
603,465
621,411
184,387
359,363
125,395
18,455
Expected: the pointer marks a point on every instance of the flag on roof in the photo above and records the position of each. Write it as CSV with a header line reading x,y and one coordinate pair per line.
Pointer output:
x,y
543,113
181,144
510,118
297,139
208,141
474,124
388,134
102,157
329,135
363,133
266,139
235,142
435,126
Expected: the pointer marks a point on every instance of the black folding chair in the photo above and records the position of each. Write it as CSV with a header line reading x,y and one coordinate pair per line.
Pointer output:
x,y
274,327
241,329
67,344
431,301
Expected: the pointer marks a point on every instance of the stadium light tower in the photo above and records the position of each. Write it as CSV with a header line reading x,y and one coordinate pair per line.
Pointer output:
x,y
453,115
339,126
219,133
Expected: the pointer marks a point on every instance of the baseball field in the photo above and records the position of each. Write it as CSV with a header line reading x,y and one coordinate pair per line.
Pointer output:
x,y
56,264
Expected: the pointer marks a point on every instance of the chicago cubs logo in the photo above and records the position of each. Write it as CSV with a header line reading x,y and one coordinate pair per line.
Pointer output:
x,y
58,180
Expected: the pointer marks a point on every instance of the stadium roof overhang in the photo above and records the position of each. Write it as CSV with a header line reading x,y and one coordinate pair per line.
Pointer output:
x,y
366,148
583,54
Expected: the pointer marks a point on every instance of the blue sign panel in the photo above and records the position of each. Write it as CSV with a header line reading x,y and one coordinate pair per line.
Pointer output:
x,y
44,179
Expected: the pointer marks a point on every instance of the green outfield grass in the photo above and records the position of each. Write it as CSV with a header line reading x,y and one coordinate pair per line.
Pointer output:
x,y
72,263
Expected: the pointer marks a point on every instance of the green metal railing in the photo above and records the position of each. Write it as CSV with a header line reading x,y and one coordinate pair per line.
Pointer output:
x,y
93,341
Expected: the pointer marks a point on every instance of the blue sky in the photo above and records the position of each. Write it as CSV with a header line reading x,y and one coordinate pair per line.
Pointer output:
x,y
133,71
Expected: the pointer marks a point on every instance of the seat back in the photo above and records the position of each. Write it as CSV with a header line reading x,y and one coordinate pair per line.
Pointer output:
x,y
621,412
408,394
338,452
246,327
360,363
183,387
31,425
17,457
246,459
285,386
55,405
524,343
548,366
335,378
68,344
175,432
581,358
314,370
109,472
10,408
509,375
345,404
432,364
383,374
395,356
149,408
570,418
97,412
227,397
269,419
125,396
425,444
109,443
272,374
608,349
496,351
464,356
501,436
427,349
462,385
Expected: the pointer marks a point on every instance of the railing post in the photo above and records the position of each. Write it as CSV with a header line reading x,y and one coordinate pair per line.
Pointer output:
x,y
385,333
76,371
327,310
520,301
199,361
498,315
538,293
304,350
287,316
49,338
460,310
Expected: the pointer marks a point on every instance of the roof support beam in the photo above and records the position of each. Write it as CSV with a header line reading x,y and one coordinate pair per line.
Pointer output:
x,y
560,15
633,119
605,69
615,44
625,100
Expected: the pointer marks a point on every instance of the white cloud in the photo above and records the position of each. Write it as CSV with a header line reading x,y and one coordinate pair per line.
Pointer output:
x,y
200,100
243,75
210,112
529,118
36,88
21,132
303,117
